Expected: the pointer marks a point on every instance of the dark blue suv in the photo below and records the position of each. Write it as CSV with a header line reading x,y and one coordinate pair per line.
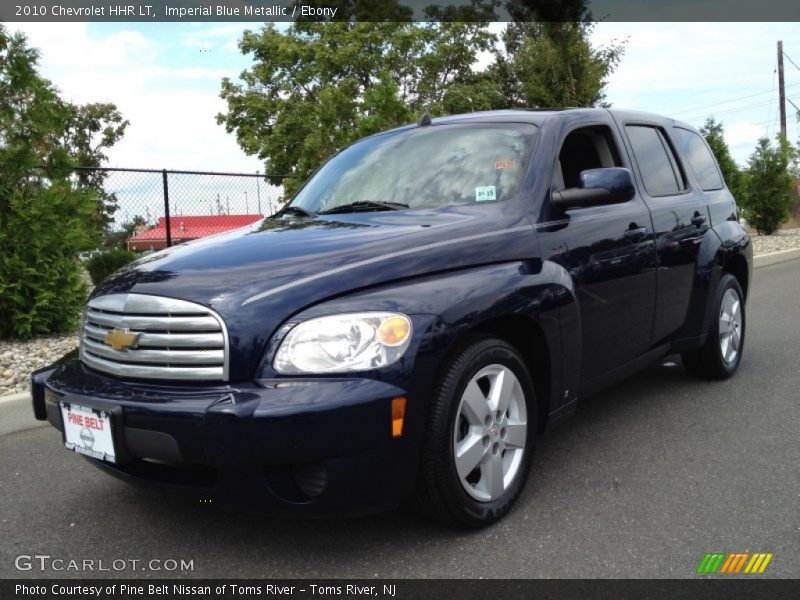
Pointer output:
x,y
433,298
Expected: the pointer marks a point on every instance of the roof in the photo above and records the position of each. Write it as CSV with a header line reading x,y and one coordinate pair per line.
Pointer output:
x,y
194,226
533,115
538,116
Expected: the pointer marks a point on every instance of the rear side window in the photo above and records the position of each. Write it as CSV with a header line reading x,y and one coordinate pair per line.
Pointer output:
x,y
657,163
700,159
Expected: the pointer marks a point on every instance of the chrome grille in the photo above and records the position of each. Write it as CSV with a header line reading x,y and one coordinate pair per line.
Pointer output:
x,y
174,339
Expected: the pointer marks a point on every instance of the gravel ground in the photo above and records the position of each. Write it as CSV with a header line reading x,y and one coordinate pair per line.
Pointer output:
x,y
18,359
785,239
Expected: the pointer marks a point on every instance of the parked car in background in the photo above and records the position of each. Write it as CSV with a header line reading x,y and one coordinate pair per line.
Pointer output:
x,y
84,256
430,301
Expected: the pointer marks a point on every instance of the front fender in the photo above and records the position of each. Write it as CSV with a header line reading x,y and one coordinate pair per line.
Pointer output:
x,y
453,304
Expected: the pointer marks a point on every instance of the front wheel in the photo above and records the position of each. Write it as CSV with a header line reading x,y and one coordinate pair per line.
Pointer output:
x,y
720,356
480,436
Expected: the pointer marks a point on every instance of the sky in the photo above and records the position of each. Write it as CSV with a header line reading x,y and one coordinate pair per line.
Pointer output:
x,y
165,78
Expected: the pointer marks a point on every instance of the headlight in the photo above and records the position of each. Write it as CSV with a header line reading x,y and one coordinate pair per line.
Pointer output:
x,y
347,342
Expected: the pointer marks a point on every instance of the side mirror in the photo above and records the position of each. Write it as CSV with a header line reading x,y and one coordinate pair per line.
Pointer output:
x,y
612,185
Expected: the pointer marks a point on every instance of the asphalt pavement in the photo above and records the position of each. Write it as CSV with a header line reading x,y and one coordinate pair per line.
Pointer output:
x,y
648,477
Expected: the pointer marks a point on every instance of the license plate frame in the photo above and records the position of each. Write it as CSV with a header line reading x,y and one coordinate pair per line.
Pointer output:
x,y
89,431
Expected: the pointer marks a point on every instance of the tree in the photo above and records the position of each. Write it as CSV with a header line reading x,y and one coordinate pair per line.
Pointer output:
x,y
769,185
46,215
547,60
319,86
794,172
734,177
93,128
117,239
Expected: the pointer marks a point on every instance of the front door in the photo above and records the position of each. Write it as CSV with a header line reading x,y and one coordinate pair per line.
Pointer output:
x,y
608,251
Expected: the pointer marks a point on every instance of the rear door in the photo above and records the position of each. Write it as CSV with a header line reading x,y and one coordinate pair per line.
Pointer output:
x,y
702,164
680,219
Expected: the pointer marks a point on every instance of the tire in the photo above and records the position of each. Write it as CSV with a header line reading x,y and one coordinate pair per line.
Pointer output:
x,y
717,359
446,488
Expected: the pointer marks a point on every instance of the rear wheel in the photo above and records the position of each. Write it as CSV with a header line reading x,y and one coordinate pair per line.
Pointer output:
x,y
480,436
720,356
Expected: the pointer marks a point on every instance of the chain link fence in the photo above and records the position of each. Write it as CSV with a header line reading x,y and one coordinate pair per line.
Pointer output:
x,y
157,208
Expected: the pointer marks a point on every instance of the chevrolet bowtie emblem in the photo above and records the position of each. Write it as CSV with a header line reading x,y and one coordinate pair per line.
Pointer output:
x,y
121,339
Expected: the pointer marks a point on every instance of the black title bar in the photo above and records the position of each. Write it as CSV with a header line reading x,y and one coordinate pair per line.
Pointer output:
x,y
397,10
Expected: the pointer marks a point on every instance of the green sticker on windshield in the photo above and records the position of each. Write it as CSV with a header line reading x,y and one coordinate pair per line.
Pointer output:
x,y
485,193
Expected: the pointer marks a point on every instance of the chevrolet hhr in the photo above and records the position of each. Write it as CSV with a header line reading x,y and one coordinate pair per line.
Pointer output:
x,y
432,299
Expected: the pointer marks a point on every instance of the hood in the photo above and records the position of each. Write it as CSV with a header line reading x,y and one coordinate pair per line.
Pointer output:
x,y
258,276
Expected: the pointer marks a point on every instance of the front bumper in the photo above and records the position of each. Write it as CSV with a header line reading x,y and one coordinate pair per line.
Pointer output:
x,y
304,446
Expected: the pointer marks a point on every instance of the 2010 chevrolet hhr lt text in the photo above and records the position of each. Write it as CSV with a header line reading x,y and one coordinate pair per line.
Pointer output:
x,y
433,298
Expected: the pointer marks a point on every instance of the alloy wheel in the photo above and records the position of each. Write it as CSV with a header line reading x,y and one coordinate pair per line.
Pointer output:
x,y
730,326
491,429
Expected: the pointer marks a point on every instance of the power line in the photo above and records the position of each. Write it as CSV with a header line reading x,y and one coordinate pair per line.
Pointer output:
x,y
789,58
772,105
735,109
713,104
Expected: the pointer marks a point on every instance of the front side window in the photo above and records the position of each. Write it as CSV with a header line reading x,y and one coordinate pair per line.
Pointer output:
x,y
583,149
700,159
657,164
424,167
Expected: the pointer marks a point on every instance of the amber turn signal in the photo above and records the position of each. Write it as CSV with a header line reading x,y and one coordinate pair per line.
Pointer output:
x,y
398,415
394,331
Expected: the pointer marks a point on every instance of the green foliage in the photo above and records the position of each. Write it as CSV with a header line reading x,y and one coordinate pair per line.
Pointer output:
x,y
735,178
320,86
314,88
46,217
769,185
119,237
91,129
552,64
103,265
41,289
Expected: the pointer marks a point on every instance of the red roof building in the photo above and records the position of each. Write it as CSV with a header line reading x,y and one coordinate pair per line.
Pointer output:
x,y
187,227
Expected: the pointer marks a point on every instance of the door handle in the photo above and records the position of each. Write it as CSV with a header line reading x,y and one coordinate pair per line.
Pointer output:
x,y
635,233
698,220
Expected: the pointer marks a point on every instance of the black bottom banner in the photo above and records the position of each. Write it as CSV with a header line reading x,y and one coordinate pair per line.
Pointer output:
x,y
401,589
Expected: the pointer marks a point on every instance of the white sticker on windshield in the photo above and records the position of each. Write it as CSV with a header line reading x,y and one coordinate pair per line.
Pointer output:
x,y
487,192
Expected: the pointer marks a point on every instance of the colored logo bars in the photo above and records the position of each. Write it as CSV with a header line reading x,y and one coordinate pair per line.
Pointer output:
x,y
734,562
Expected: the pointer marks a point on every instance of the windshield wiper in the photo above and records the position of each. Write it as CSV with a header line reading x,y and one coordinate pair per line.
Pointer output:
x,y
294,210
364,206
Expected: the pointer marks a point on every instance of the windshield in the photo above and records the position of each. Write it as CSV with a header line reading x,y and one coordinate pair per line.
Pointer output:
x,y
424,167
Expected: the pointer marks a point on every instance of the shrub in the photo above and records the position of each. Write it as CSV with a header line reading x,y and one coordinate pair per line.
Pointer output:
x,y
103,265
41,289
769,186
735,178
48,213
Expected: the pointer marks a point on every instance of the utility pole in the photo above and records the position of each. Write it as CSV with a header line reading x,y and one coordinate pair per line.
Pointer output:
x,y
781,90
